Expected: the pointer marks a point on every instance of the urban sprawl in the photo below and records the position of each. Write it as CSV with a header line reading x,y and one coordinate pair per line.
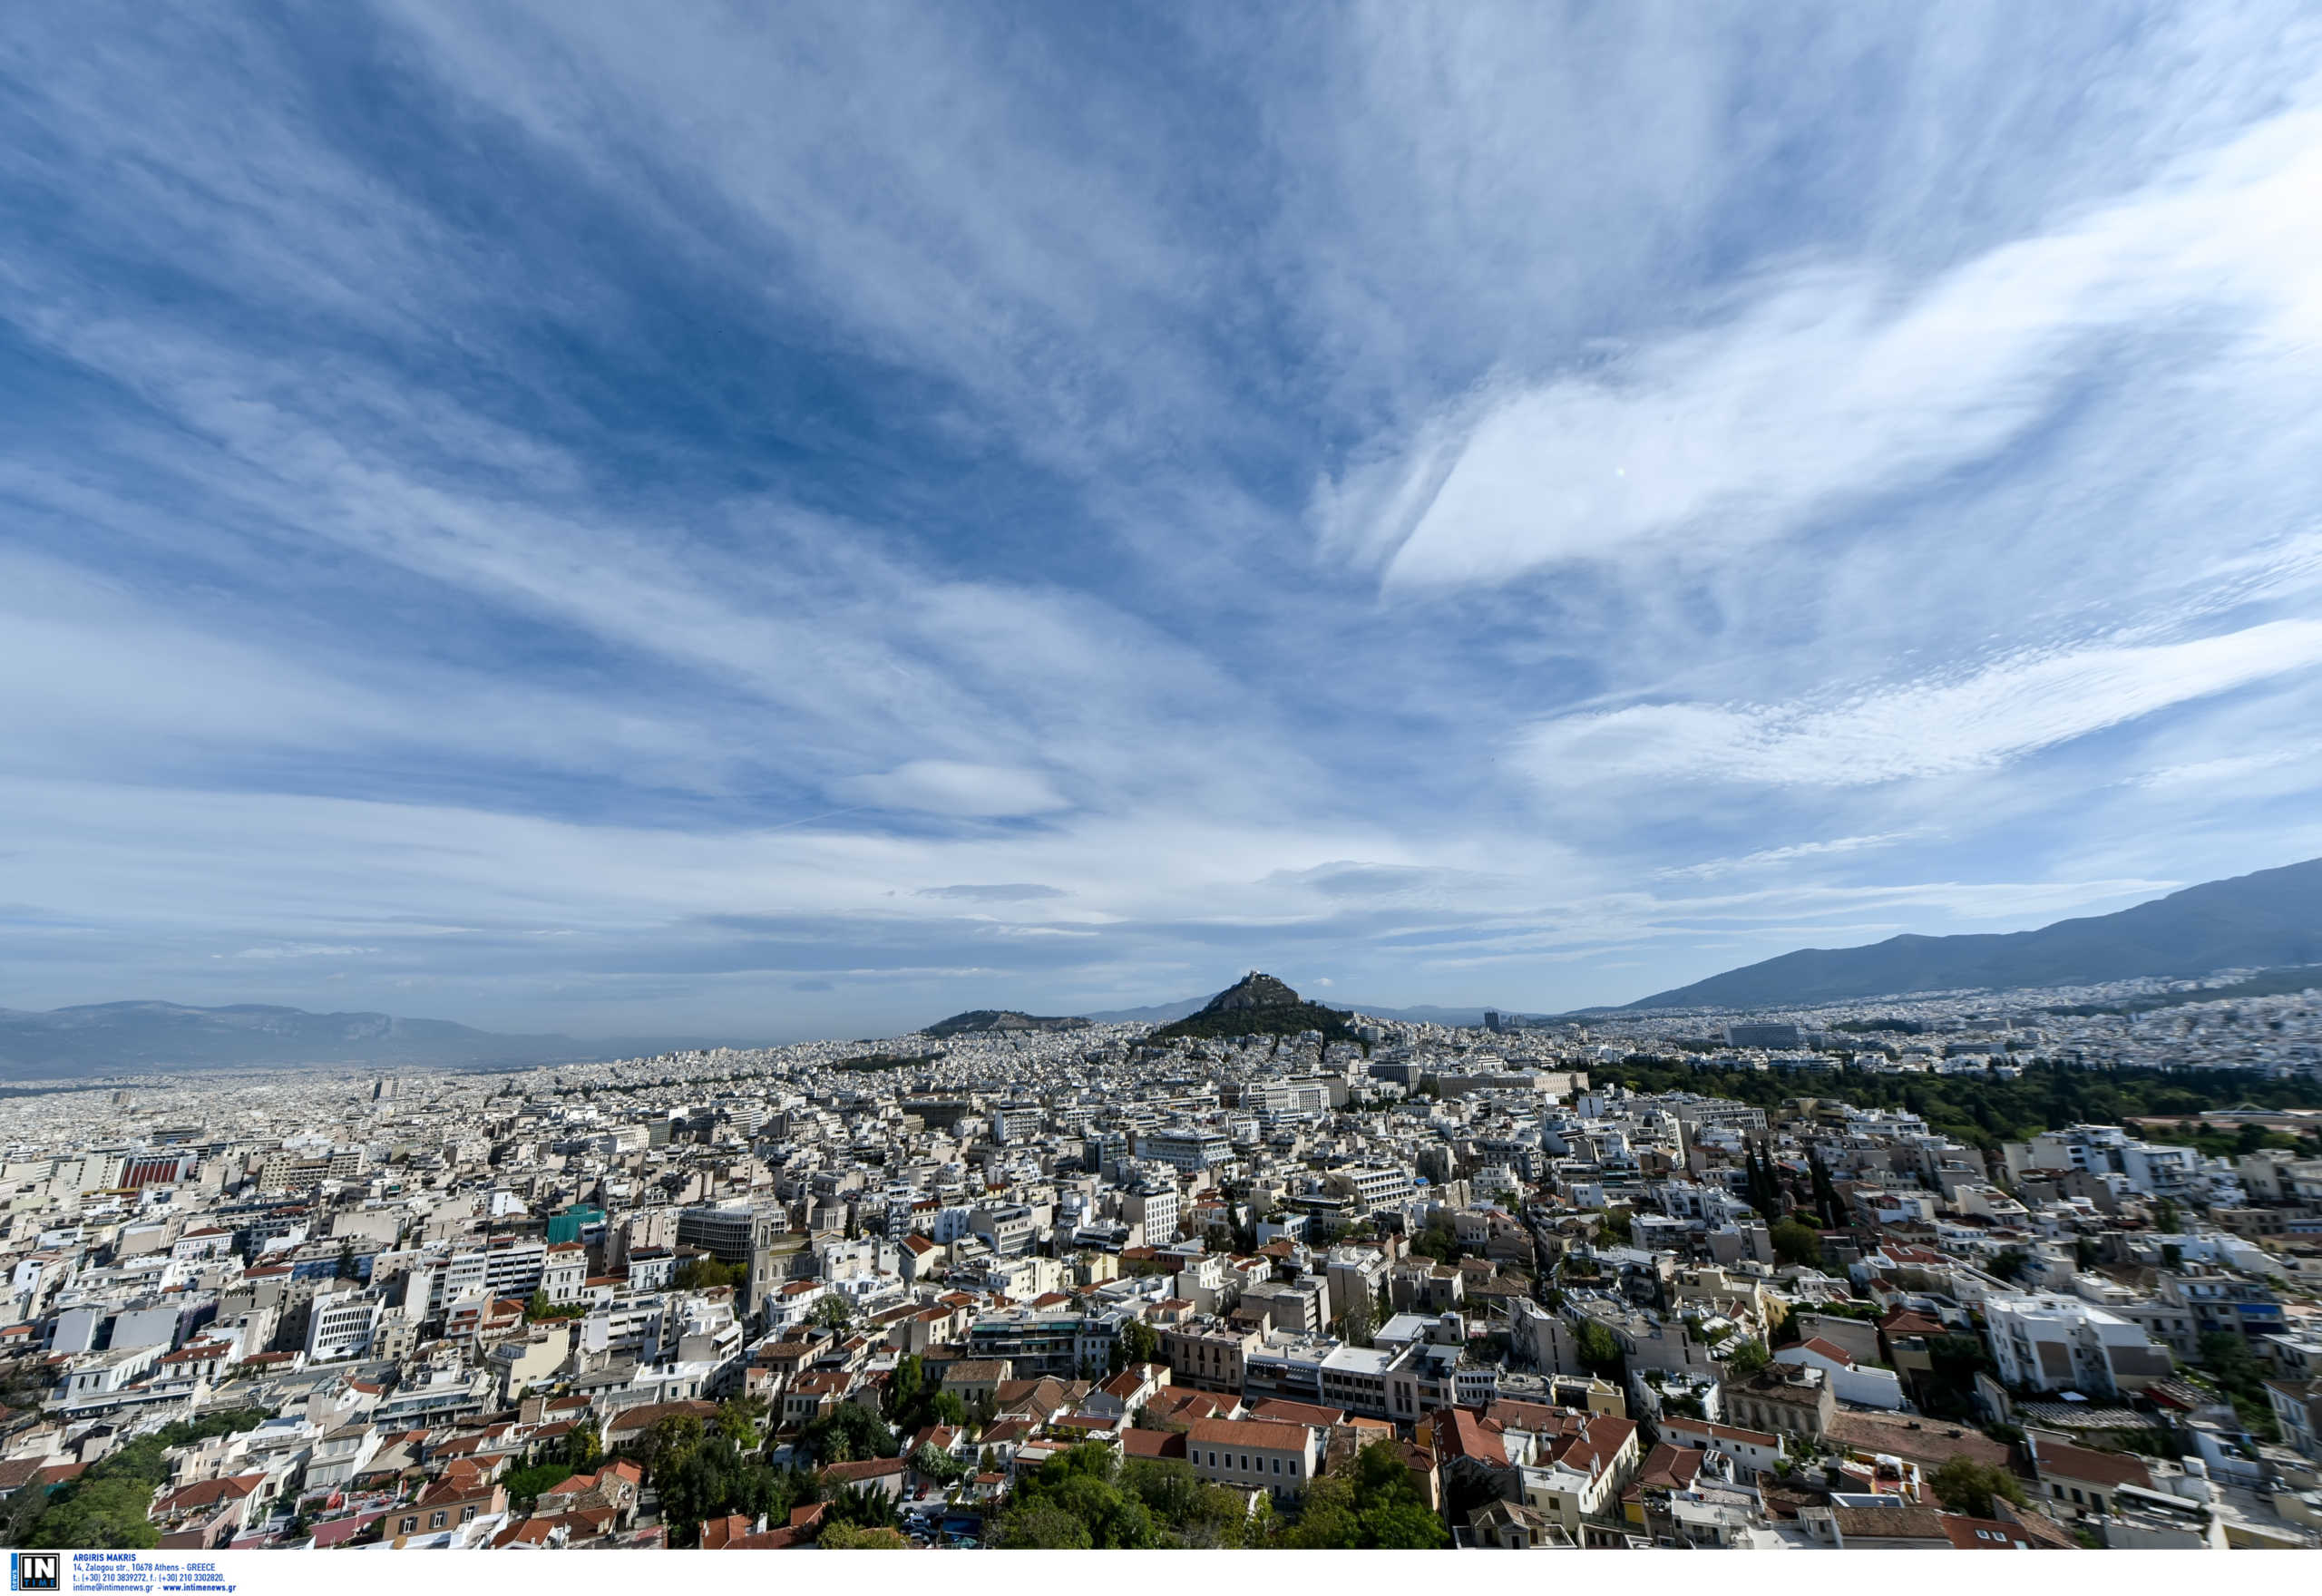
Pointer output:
x,y
1985,1271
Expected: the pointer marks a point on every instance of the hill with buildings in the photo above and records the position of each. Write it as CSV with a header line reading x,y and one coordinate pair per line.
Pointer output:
x,y
2270,919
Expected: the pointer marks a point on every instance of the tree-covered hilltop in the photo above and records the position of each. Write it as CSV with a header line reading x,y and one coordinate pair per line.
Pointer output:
x,y
1259,1006
978,1021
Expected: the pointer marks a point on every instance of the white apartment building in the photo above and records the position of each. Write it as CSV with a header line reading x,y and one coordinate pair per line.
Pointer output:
x,y
342,1325
1191,1147
2050,1342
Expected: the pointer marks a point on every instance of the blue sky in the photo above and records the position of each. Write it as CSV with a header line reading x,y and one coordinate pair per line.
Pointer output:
x,y
785,522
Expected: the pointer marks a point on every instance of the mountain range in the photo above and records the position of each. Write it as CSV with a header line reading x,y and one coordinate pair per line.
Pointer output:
x,y
2265,921
101,1038
2269,921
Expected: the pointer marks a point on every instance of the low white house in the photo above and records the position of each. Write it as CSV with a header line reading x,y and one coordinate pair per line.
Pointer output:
x,y
1850,1381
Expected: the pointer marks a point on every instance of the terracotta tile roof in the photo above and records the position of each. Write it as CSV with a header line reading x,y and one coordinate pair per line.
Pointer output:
x,y
1164,1444
1260,1433
1836,1354
2067,1462
1892,1523
1287,1412
1984,1534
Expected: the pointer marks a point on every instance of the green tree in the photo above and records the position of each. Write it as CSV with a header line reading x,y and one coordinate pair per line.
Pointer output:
x,y
673,1438
1140,1343
1186,1510
930,1461
1597,1350
832,1311
525,1484
737,1420
864,1506
1827,1204
1041,1526
1747,1358
1797,1244
702,1273
1373,1503
1964,1485
843,1537
2226,1358
1437,1243
105,1514
105,1507
715,1478
584,1445
1082,1482
849,1433
904,1387
1954,1362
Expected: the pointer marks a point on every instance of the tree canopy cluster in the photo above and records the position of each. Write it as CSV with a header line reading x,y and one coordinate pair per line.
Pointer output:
x,y
1977,1109
104,1508
915,1402
1373,1504
1086,1497
1964,1485
2224,1356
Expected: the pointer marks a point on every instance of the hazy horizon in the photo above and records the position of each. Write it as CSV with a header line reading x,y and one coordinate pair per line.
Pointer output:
x,y
565,517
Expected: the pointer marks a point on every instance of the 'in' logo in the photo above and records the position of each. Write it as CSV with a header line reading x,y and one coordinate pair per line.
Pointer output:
x,y
33,1570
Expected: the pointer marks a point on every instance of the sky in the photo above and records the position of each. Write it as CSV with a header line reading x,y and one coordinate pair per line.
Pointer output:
x,y
785,522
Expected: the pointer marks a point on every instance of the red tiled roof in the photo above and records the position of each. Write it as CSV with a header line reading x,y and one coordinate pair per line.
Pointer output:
x,y
1469,1435
1297,1413
2097,1468
1154,1444
1260,1433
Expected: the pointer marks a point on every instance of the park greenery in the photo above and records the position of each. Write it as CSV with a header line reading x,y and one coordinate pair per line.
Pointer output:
x,y
1086,1497
1373,1505
1978,1108
2224,1356
104,1508
701,1272
1964,1485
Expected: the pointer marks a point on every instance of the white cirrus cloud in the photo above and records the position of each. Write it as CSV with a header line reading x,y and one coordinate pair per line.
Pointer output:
x,y
1835,382
946,786
302,950
1710,868
2007,709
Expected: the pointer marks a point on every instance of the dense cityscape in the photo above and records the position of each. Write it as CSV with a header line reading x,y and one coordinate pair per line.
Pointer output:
x,y
2031,1270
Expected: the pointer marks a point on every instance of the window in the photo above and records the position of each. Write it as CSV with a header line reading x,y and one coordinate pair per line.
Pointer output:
x,y
436,1518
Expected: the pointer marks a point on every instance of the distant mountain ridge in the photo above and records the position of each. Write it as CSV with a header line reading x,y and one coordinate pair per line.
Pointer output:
x,y
2268,920
139,1035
